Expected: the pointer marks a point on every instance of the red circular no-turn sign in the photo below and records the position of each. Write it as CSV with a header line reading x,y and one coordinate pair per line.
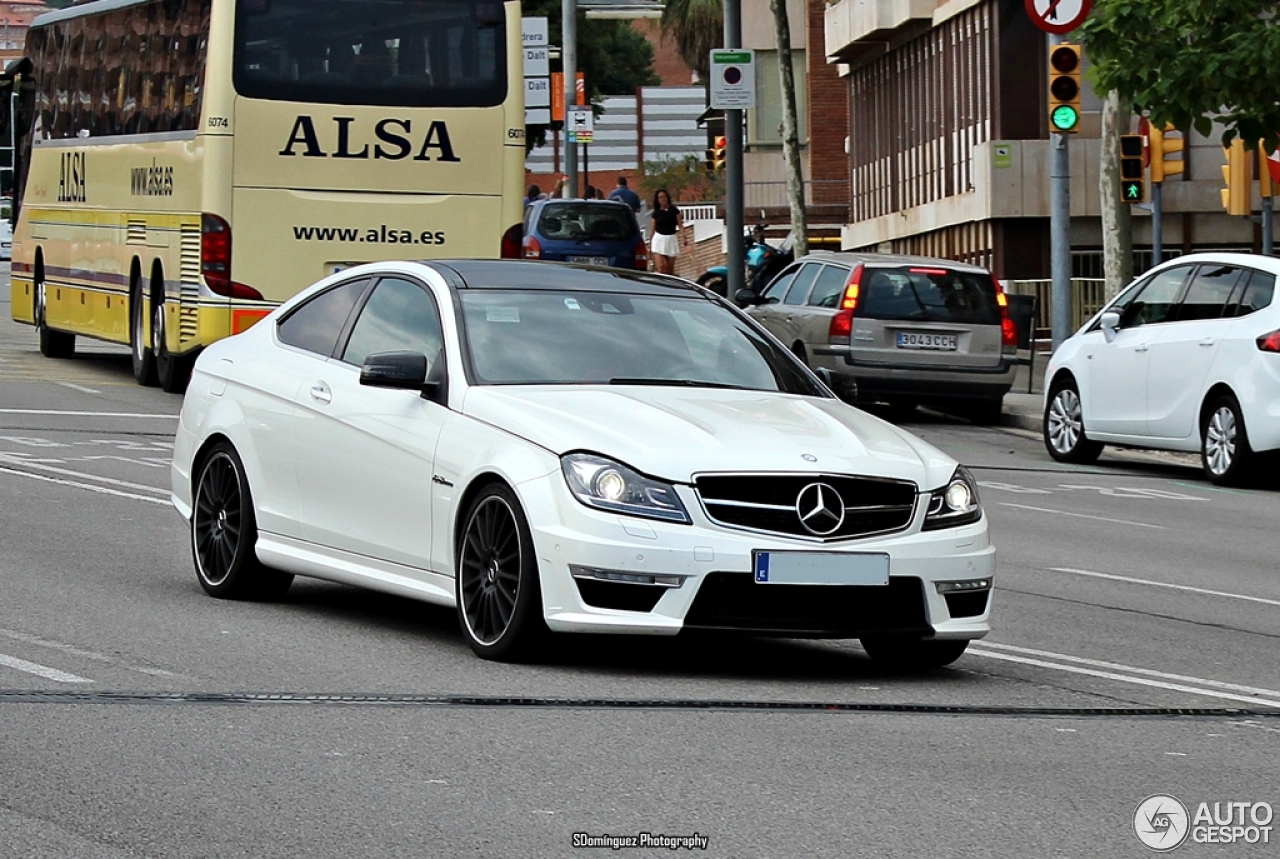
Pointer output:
x,y
1058,16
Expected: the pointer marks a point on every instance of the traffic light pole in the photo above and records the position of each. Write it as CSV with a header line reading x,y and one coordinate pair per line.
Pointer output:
x,y
569,56
1157,220
1059,229
734,221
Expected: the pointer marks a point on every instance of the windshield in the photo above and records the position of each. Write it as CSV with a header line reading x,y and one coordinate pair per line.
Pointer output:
x,y
546,338
378,52
929,294
583,221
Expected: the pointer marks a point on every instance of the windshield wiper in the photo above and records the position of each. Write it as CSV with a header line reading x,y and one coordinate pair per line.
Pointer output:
x,y
678,383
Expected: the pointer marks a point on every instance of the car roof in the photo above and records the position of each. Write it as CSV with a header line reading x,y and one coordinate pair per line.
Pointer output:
x,y
1262,261
558,276
553,201
857,258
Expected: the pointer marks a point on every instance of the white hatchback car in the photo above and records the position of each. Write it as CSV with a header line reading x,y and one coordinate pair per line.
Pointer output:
x,y
1187,358
569,448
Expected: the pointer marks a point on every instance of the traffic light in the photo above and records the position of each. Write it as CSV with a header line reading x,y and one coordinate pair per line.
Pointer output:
x,y
1133,183
1160,148
1064,88
717,154
1236,196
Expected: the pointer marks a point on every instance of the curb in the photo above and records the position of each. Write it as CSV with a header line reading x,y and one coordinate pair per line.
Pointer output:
x,y
1021,421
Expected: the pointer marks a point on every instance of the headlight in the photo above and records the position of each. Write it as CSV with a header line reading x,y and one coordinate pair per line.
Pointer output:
x,y
608,485
954,504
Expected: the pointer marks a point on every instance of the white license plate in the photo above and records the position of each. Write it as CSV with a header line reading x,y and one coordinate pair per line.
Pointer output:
x,y
926,340
821,568
590,260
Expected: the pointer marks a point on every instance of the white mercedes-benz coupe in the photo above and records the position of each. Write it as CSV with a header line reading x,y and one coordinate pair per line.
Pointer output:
x,y
561,448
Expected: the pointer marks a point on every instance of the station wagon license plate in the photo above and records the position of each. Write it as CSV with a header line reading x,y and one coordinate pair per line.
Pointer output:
x,y
926,340
821,568
590,260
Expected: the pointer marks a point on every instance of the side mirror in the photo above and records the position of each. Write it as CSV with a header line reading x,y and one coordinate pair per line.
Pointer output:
x,y
745,298
402,370
1109,322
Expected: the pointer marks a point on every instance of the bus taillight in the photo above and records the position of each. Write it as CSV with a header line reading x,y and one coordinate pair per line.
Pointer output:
x,y
511,242
215,259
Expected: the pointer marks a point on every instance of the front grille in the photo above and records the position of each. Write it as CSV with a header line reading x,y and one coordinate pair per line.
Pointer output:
x,y
733,601
768,502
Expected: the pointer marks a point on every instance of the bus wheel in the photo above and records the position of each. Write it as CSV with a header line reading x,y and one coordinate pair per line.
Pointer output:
x,y
172,371
144,364
53,344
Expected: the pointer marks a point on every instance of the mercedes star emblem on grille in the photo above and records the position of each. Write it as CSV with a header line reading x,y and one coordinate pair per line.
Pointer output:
x,y
820,508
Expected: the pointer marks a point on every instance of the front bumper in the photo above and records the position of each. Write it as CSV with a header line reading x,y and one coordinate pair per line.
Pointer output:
x,y
713,565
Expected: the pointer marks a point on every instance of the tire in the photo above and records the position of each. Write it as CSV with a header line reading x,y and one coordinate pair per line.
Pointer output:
x,y
224,532
715,283
144,362
1225,454
1063,427
913,654
985,412
498,594
901,409
53,344
172,371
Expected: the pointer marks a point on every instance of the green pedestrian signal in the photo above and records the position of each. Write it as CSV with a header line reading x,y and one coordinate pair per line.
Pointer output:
x,y
1133,175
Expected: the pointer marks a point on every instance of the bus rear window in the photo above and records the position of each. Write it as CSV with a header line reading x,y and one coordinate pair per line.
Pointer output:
x,y
412,53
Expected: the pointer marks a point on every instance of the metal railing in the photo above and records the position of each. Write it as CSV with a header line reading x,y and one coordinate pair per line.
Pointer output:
x,y
1087,297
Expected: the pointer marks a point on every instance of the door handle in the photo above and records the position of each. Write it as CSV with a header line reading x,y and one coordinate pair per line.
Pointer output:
x,y
1208,341
1141,347
320,393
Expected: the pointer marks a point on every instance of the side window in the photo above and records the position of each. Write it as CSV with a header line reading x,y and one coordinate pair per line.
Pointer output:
x,y
317,324
1151,304
774,292
799,290
1208,293
1254,295
829,287
398,316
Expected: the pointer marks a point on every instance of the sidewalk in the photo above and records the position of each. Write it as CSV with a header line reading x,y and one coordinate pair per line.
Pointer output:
x,y
1026,410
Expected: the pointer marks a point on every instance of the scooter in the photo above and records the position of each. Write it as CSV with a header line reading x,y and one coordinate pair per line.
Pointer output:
x,y
763,260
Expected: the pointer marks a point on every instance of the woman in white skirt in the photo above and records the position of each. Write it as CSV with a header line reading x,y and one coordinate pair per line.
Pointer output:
x,y
666,231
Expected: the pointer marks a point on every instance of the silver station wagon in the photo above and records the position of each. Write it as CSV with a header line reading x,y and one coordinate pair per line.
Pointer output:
x,y
906,330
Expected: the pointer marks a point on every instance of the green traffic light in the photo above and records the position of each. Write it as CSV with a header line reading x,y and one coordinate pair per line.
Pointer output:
x,y
1064,117
1132,191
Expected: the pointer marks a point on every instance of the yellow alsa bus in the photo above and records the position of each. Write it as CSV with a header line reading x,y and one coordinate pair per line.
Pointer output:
x,y
183,166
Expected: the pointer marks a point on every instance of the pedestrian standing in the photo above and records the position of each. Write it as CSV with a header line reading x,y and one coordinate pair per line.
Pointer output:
x,y
625,194
666,232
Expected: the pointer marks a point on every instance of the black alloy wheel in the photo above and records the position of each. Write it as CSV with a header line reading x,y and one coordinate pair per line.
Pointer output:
x,y
224,531
913,654
144,363
1224,444
499,599
1064,435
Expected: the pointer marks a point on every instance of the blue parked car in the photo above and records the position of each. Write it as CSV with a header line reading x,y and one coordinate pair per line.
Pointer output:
x,y
596,232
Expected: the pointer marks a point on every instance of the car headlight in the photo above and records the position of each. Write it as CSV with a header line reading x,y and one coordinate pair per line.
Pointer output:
x,y
954,504
608,485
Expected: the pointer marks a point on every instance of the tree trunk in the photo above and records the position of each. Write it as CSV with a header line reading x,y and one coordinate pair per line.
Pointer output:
x,y
1117,233
790,134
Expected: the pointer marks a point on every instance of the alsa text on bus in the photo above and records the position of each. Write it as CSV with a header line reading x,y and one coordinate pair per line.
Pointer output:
x,y
396,139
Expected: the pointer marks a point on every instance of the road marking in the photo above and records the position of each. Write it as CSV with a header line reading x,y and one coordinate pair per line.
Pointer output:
x,y
1124,678
61,413
102,489
1081,515
80,388
9,459
1187,588
71,649
41,670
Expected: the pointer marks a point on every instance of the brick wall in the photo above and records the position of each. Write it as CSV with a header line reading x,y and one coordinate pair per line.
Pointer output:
x,y
696,258
828,118
666,61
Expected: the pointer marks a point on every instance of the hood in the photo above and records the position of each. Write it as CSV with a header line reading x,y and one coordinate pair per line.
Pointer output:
x,y
674,433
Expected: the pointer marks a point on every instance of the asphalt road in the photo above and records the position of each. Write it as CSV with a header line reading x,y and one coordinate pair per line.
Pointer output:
x,y
1135,653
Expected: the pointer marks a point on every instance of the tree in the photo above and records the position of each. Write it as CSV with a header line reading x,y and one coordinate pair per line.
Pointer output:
x,y
613,58
697,27
1191,62
790,133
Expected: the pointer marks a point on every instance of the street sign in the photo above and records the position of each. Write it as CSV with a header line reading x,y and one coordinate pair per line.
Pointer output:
x,y
1058,16
537,64
557,94
537,92
581,125
733,79
533,32
537,116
